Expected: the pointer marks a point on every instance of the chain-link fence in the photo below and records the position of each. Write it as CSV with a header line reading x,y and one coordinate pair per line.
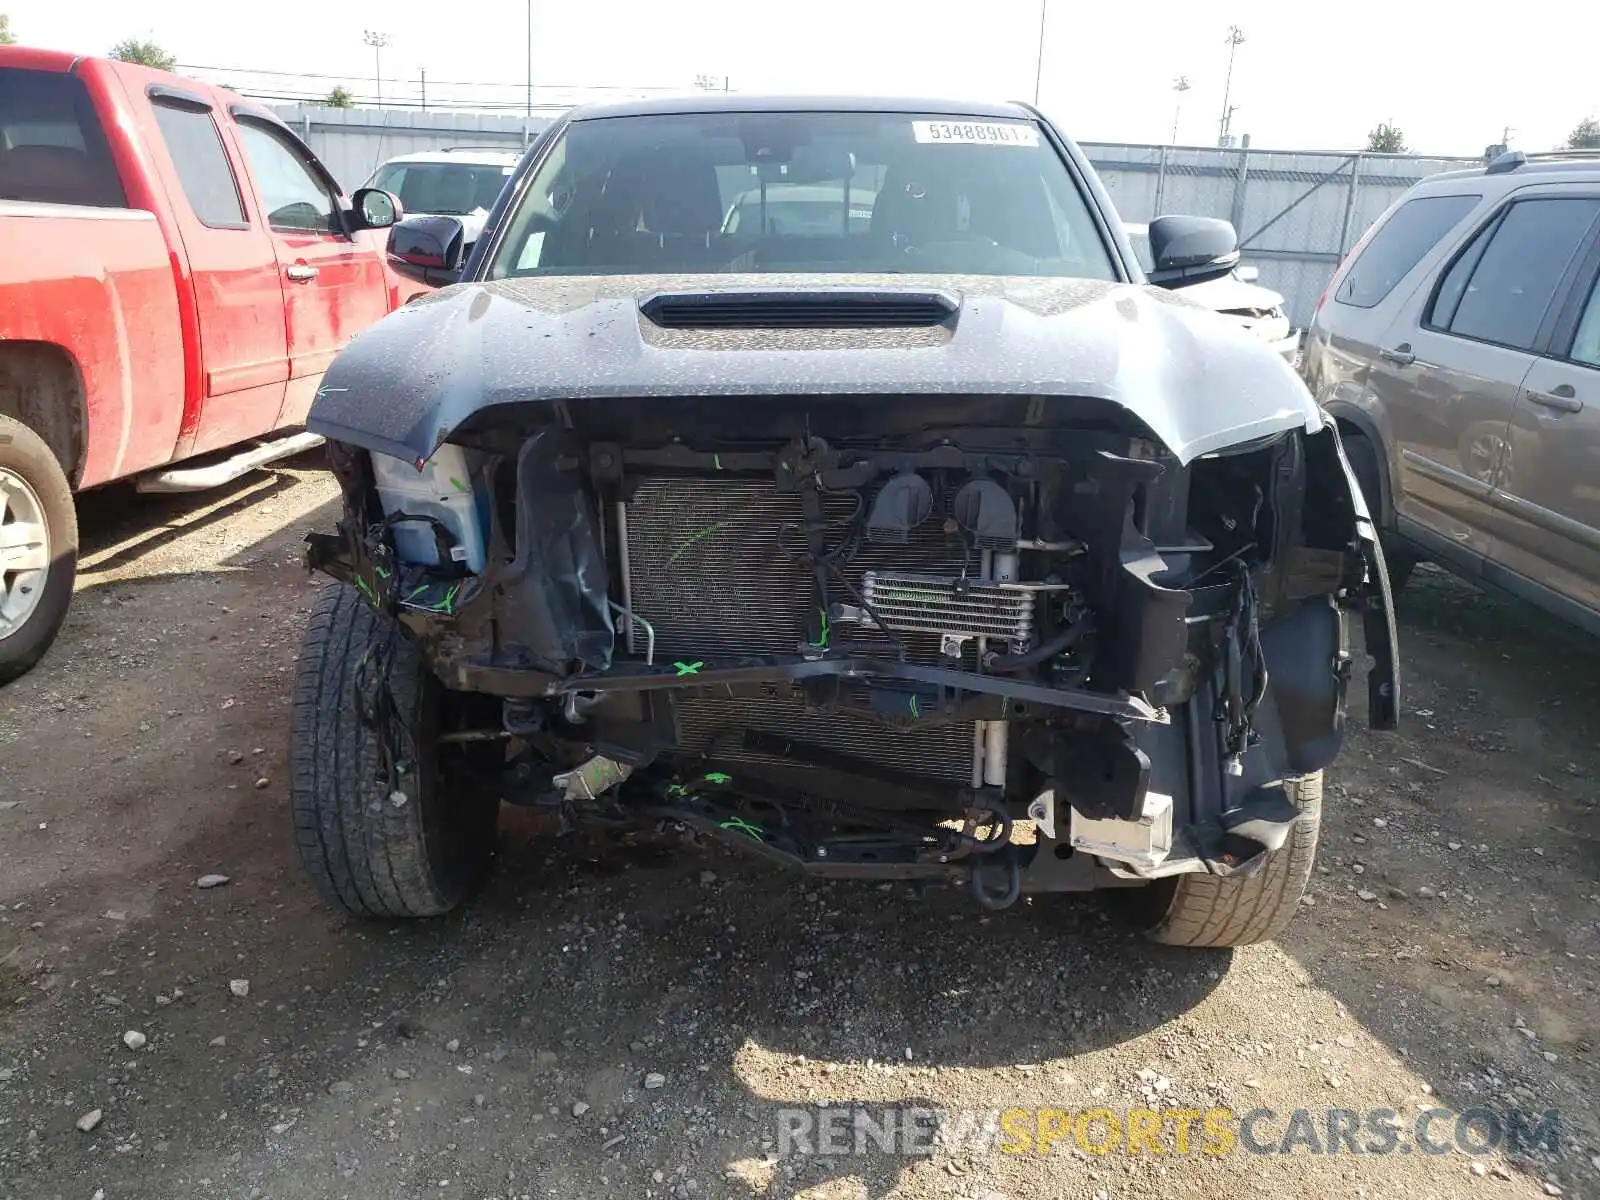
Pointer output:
x,y
1296,213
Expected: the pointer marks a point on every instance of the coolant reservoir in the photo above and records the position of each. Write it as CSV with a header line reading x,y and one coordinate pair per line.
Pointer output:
x,y
442,489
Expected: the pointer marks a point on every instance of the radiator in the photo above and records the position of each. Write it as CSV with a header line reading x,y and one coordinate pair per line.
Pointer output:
x,y
708,574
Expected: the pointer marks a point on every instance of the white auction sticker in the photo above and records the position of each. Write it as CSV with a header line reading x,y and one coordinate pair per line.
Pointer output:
x,y
977,133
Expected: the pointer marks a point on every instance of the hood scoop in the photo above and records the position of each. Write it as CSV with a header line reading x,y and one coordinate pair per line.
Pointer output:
x,y
834,308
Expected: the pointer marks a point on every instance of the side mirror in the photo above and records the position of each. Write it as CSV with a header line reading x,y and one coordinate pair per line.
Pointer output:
x,y
428,249
1189,250
375,208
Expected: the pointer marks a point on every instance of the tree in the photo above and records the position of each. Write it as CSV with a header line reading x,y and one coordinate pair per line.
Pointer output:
x,y
1586,136
340,97
7,38
1386,139
146,54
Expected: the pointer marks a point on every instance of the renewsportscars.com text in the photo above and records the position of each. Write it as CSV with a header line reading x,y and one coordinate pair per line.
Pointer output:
x,y
868,1129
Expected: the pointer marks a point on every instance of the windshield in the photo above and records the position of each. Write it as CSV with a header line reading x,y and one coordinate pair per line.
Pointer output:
x,y
443,188
801,192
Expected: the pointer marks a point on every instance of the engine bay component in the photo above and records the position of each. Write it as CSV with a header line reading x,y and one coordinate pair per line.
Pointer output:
x,y
985,511
955,608
902,504
1145,842
593,778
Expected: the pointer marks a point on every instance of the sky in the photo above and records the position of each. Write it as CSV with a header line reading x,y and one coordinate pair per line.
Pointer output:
x,y
1308,76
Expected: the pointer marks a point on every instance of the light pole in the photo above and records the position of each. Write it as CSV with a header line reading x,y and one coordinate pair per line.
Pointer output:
x,y
377,41
1038,66
530,60
1179,85
1233,41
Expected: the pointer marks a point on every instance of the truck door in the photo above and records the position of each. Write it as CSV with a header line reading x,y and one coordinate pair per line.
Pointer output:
x,y
333,285
243,356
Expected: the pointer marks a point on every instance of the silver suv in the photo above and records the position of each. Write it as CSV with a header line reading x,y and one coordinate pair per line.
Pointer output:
x,y
1458,347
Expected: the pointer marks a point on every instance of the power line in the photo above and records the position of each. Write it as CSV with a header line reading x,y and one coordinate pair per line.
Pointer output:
x,y
518,84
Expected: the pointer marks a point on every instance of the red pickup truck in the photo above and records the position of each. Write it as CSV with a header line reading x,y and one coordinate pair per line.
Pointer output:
x,y
176,271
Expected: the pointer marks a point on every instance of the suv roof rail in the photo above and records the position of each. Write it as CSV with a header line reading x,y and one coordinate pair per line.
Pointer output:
x,y
504,148
1510,160
1545,155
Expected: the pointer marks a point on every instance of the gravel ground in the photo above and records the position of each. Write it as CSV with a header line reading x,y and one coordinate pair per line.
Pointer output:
x,y
631,1020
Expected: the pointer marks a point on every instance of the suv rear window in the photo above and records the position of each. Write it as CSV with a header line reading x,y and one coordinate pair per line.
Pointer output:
x,y
442,189
51,147
1413,230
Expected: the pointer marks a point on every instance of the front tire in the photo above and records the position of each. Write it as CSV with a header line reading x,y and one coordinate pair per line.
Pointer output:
x,y
1215,910
373,849
38,548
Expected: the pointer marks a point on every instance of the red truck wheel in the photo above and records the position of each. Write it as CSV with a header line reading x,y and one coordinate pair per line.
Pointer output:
x,y
38,548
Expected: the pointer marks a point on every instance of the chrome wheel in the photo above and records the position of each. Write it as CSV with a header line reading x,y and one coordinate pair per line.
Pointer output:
x,y
24,551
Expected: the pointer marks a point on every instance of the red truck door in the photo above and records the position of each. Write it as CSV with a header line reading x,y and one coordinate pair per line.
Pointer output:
x,y
233,269
334,286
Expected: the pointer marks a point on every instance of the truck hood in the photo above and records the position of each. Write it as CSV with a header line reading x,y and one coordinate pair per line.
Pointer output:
x,y
1193,379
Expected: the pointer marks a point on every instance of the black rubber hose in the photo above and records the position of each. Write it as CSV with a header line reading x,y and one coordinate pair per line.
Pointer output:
x,y
1005,663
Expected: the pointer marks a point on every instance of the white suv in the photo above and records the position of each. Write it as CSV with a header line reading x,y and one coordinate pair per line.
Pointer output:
x,y
1258,310
461,181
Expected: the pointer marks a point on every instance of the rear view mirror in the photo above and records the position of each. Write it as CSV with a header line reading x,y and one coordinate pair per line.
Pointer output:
x,y
428,249
809,165
1191,249
375,208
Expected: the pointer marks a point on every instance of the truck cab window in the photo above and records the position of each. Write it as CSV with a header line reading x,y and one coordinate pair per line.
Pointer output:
x,y
295,197
51,147
202,165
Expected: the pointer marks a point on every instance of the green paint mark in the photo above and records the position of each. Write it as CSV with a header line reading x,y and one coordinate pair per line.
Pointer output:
x,y
449,604
740,825
823,613
916,709
694,539
383,572
677,789
719,777
417,591
459,486
916,595
688,668
366,590
716,460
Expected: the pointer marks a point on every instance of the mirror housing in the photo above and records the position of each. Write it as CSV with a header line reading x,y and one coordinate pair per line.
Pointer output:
x,y
374,208
430,250
1189,250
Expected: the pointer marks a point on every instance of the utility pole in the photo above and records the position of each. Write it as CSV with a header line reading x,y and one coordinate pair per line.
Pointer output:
x,y
424,73
530,58
377,41
1233,41
1038,66
1179,85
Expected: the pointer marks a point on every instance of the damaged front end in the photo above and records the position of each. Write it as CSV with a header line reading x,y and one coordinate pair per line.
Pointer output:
x,y
1008,642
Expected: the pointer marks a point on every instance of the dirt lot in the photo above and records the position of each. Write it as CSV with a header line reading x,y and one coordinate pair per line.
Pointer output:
x,y
503,1053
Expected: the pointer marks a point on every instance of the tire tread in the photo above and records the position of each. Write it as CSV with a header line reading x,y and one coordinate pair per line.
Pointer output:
x,y
1216,910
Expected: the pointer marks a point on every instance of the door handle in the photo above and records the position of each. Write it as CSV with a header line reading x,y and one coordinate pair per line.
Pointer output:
x,y
301,273
1562,398
1400,356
